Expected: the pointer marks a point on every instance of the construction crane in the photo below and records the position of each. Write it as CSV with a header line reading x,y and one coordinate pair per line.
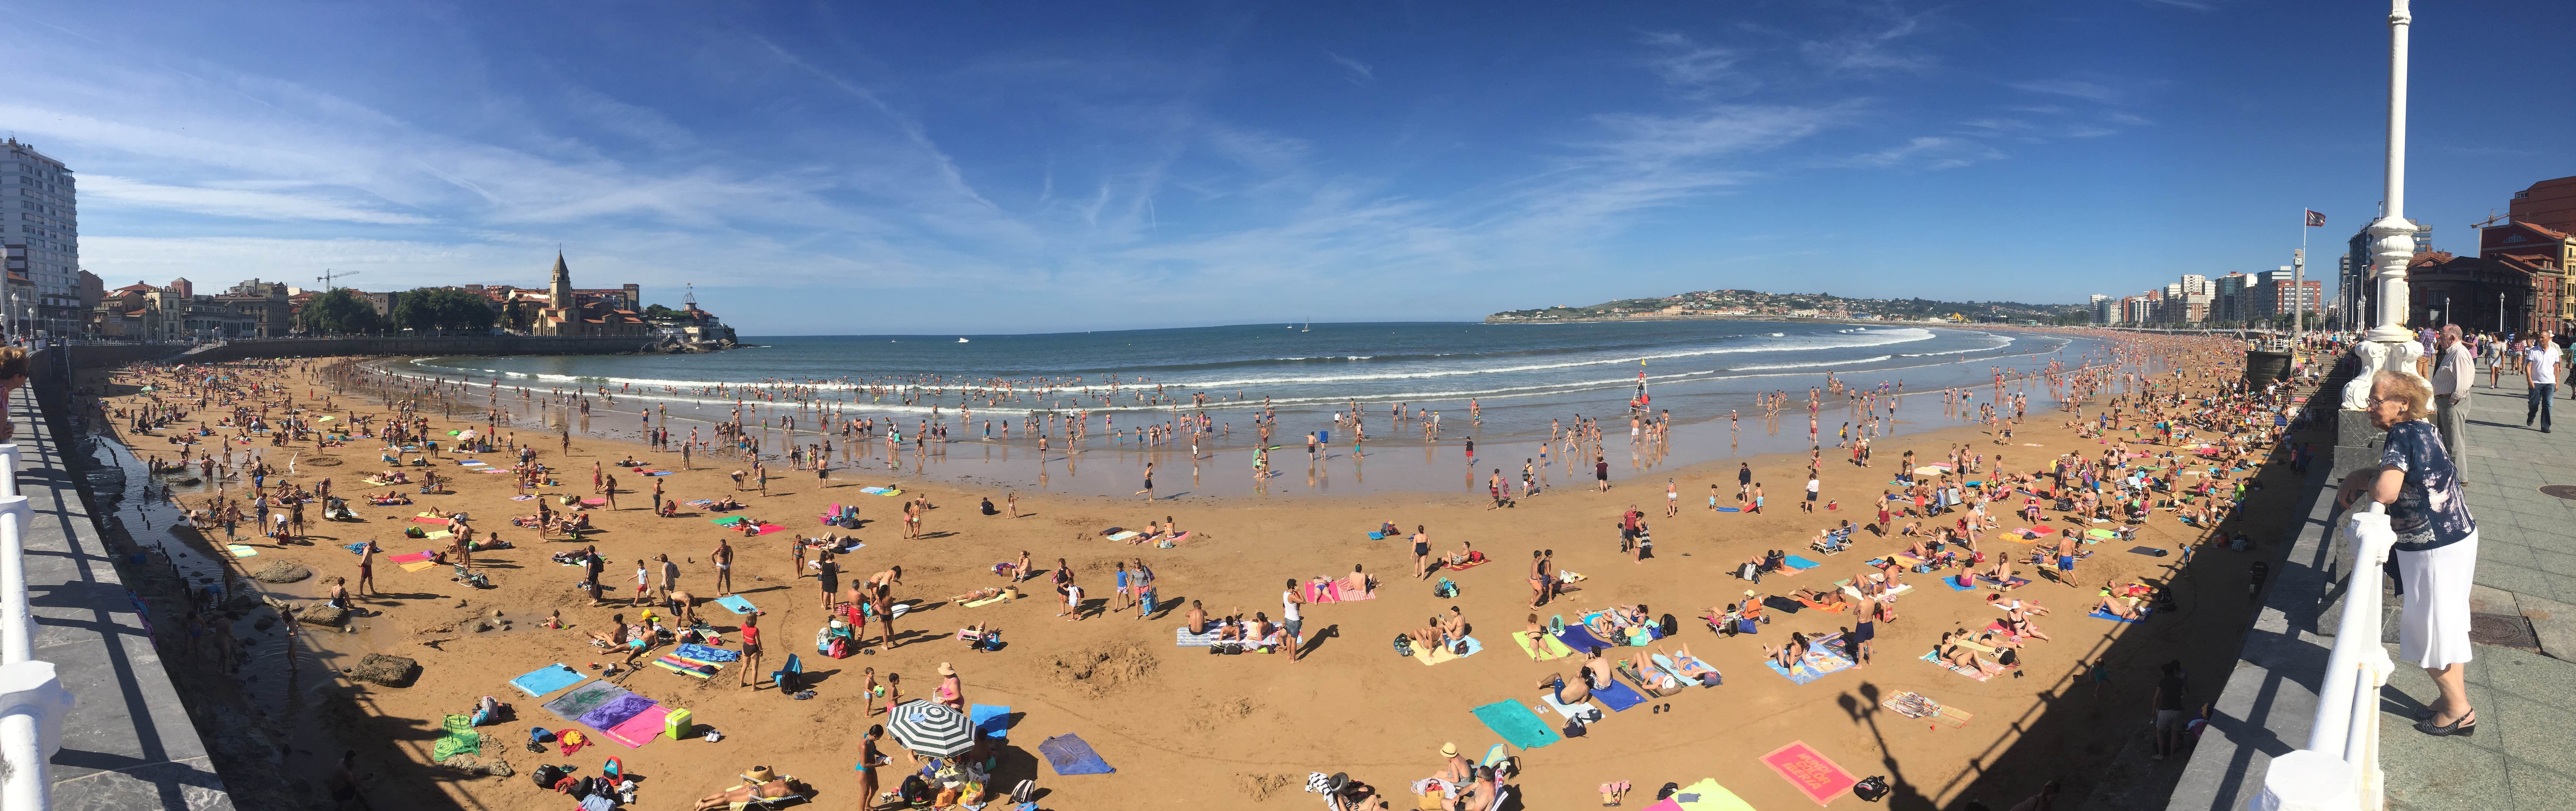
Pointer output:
x,y
2492,217
327,276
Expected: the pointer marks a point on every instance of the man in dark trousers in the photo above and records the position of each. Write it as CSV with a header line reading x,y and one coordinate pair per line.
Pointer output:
x,y
2171,696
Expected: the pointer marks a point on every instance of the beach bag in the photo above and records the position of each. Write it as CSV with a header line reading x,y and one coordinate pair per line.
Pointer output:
x,y
839,649
546,776
915,791
1444,588
1671,626
1871,788
1573,728
1403,646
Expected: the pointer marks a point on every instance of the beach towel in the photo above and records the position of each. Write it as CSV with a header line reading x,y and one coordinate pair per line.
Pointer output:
x,y
547,679
2017,582
1377,536
428,520
1580,639
439,534
737,604
656,472
1809,770
1618,695
616,711
2100,534
1730,509
1705,795
1516,724
1071,756
418,567
728,521
990,721
1125,535
413,557
239,551
1329,591
1432,656
768,528
459,738
1799,564
1354,588
359,548
687,667
639,729
1543,648
2024,535
700,502
898,493
474,463
704,653
1953,582
987,601
1675,668
1182,637
1935,658
2099,614
573,705
872,490
594,502
1582,711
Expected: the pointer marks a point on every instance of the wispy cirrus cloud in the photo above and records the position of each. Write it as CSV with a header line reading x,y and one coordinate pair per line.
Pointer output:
x,y
1928,152
2087,91
115,191
1358,72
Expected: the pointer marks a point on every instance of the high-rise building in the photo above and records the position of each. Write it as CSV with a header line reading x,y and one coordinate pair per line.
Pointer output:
x,y
2355,280
2101,310
2549,204
40,227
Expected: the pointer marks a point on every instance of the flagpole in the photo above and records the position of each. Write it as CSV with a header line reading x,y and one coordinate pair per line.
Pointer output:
x,y
2299,289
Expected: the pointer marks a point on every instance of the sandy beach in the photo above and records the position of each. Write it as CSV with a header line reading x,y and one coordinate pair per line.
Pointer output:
x,y
1185,728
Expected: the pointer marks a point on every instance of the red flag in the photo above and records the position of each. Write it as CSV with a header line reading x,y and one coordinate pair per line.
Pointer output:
x,y
2316,220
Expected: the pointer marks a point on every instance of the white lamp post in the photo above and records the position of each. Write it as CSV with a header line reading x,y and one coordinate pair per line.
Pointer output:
x,y
2390,345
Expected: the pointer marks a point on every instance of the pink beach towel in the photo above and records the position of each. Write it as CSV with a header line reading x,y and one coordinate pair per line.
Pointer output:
x,y
639,730
414,557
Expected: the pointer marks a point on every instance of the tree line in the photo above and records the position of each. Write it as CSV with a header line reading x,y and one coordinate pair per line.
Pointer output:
x,y
426,310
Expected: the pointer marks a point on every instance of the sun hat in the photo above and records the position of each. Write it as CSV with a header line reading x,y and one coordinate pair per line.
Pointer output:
x,y
945,670
1448,750
759,774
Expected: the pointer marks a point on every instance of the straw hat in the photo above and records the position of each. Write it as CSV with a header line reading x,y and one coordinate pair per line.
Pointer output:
x,y
945,670
759,774
1448,750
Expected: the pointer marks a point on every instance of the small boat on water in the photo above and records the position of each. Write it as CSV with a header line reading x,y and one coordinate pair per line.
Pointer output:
x,y
961,340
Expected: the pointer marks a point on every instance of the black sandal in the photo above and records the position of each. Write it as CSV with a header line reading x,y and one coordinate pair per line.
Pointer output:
x,y
2462,725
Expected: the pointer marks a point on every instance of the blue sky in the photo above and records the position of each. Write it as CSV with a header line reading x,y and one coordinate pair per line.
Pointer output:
x,y
838,168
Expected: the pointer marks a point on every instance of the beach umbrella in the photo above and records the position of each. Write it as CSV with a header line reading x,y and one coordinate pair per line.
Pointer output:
x,y
931,728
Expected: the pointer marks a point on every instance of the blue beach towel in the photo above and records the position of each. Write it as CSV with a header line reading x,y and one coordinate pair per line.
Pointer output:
x,y
991,721
1618,695
705,654
359,548
1377,536
1581,639
547,679
1802,564
2099,615
737,603
1518,726
1953,582
1070,756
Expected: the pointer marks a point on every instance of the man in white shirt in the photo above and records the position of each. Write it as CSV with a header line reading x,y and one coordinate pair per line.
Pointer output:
x,y
2541,361
2454,372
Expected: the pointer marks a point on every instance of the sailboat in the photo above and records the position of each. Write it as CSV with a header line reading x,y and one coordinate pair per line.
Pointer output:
x,y
1310,326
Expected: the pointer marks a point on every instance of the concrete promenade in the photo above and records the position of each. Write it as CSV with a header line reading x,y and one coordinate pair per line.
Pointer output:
x,y
128,743
2524,754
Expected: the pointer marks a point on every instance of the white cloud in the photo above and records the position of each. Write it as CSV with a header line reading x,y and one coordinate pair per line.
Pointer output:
x,y
1929,152
257,205
2087,91
1358,72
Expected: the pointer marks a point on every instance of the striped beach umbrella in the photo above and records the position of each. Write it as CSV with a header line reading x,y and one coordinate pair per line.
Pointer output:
x,y
931,728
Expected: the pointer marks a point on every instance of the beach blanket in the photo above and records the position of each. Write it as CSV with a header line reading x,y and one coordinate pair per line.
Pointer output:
x,y
1516,724
2024,535
1543,648
1431,656
616,711
411,557
1377,536
573,705
1705,795
639,729
687,667
704,653
987,601
594,502
547,679
990,721
1125,535
1799,564
768,528
1580,639
474,463
1675,668
1809,770
872,490
1953,582
439,534
1070,756
1618,695
1583,711
459,738
428,520
1182,637
359,548
1935,658
1354,588
419,567
2015,583
728,521
239,551
1920,707
1460,567
737,604
2100,534
1730,509
2099,614
1824,657
700,502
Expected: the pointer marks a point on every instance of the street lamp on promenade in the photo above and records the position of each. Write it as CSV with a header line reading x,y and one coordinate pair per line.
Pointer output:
x,y
2389,344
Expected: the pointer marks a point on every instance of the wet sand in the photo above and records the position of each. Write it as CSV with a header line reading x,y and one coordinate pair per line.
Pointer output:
x,y
1187,729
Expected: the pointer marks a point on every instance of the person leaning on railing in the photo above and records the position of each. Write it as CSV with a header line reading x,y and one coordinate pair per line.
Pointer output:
x,y
13,373
2437,543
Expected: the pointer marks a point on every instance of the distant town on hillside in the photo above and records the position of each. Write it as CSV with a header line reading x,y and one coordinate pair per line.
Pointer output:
x,y
1755,304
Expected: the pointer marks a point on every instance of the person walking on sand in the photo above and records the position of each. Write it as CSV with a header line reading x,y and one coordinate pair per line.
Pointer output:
x,y
1600,474
367,569
1295,623
723,559
1148,492
1421,552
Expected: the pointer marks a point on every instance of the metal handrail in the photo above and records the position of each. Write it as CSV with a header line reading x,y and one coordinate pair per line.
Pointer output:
x,y
32,699
2339,768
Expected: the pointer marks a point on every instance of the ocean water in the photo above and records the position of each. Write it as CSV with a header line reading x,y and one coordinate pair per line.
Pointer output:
x,y
1521,376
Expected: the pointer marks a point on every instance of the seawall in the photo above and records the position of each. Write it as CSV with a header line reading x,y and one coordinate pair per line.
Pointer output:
x,y
112,354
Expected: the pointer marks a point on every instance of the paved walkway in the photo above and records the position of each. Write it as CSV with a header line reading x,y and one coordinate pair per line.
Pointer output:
x,y
128,743
2524,755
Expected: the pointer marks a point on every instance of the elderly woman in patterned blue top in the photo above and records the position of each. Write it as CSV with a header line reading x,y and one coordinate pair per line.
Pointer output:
x,y
2437,542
